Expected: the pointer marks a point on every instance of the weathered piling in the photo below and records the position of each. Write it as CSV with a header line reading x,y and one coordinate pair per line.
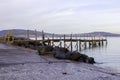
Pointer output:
x,y
28,36
12,35
63,41
53,39
60,44
71,44
8,36
35,35
43,38
76,43
79,45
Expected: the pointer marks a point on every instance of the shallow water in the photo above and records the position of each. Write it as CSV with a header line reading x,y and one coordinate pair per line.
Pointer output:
x,y
107,56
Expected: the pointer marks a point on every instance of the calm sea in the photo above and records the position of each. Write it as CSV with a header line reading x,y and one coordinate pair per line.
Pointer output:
x,y
107,56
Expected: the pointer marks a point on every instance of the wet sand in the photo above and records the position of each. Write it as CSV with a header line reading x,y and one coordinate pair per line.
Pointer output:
x,y
25,64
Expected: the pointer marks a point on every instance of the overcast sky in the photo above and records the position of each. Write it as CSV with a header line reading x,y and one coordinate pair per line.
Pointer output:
x,y
61,16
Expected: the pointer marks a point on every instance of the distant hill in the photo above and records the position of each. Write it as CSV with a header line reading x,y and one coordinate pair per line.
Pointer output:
x,y
107,34
23,33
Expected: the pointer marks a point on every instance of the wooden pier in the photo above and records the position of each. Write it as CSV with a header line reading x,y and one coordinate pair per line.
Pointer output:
x,y
72,43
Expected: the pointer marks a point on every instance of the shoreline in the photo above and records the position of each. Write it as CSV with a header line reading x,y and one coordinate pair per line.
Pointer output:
x,y
25,64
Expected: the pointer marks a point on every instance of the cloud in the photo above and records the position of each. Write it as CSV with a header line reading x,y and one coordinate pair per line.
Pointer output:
x,y
59,15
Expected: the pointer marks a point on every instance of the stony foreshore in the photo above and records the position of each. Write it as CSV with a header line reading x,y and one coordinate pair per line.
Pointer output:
x,y
25,64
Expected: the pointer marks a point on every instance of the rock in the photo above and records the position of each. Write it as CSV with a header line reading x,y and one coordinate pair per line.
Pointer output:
x,y
63,53
44,50
76,56
64,73
60,55
83,58
65,50
73,55
91,60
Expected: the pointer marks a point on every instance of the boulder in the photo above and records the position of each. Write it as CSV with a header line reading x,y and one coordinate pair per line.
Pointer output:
x,y
83,58
61,49
63,53
44,49
76,56
73,55
60,55
91,60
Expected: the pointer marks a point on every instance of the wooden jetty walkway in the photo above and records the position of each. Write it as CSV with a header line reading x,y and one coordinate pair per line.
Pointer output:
x,y
72,43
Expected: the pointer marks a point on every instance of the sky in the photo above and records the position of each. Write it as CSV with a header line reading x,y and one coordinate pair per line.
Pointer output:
x,y
61,16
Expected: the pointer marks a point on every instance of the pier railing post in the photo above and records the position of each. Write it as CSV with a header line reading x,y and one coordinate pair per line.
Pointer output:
x,y
60,42
43,37
106,40
102,41
35,35
8,36
64,41
49,42
76,43
53,39
13,35
71,42
79,44
28,35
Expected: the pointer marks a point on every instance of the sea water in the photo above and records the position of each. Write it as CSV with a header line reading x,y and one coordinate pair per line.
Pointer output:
x,y
107,56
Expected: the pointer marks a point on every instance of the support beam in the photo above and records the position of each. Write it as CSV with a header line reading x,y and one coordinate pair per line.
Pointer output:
x,y
79,45
28,35
12,35
43,38
64,41
71,45
53,39
35,35
8,36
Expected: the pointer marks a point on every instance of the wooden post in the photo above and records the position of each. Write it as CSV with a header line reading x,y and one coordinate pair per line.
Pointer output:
x,y
99,41
49,42
64,42
71,42
76,43
8,36
79,45
53,39
92,41
89,44
106,40
27,34
102,42
60,42
43,37
85,43
4,38
35,35
12,35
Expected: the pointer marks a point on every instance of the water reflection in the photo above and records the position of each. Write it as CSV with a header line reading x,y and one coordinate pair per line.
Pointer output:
x,y
107,56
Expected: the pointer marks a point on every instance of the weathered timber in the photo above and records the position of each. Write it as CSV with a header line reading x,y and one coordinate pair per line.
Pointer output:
x,y
63,41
